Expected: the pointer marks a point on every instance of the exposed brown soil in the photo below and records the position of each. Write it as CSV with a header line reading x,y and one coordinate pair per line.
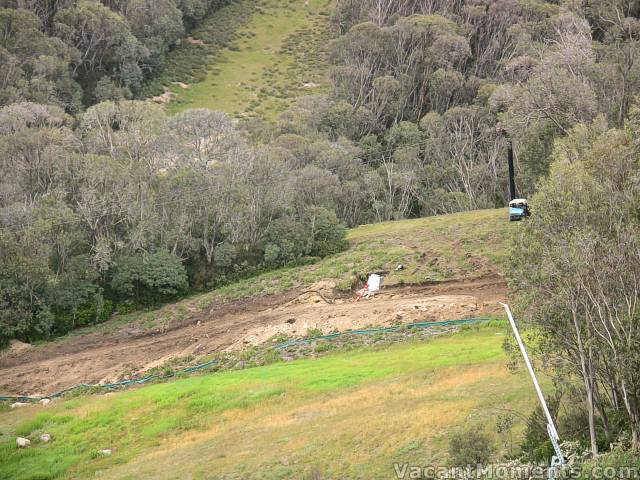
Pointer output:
x,y
166,97
195,41
107,356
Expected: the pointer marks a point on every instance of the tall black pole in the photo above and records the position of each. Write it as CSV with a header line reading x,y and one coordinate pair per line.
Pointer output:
x,y
512,175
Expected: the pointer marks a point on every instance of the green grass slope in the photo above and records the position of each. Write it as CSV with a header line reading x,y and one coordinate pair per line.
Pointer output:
x,y
461,245
277,55
346,415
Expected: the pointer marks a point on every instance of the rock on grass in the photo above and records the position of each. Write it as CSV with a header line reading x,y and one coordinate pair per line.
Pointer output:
x,y
23,442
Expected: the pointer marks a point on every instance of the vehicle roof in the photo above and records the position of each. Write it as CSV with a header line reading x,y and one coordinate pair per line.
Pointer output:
x,y
518,200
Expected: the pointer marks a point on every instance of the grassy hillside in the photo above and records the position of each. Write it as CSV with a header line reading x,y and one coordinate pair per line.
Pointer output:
x,y
467,244
347,415
278,54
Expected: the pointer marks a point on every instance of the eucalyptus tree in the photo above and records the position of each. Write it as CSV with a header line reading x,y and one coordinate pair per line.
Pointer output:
x,y
554,88
388,70
35,144
132,136
157,24
467,153
33,66
616,26
578,273
101,41
360,56
205,135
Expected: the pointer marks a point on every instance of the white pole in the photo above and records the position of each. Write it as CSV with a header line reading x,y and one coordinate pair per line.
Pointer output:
x,y
553,433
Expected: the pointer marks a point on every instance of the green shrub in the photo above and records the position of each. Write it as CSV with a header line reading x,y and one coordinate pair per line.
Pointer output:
x,y
314,333
536,445
98,310
324,346
22,315
149,278
272,254
285,242
125,307
224,255
48,304
470,446
619,463
328,235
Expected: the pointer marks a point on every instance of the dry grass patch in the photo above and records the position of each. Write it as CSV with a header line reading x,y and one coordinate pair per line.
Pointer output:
x,y
354,434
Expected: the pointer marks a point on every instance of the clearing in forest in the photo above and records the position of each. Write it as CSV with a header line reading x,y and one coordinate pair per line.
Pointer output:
x,y
278,55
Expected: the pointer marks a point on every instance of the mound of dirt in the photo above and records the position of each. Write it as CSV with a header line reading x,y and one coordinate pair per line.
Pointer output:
x,y
16,346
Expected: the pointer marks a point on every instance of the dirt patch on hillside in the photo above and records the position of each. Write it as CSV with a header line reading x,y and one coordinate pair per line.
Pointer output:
x,y
15,347
195,41
166,97
107,356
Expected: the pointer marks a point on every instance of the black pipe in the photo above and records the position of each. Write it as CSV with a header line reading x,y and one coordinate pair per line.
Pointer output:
x,y
512,175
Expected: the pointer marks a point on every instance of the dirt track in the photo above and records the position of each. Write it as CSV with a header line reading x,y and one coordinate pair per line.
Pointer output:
x,y
99,357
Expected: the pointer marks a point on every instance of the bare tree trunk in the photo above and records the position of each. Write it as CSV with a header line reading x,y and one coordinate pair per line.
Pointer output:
x,y
602,410
587,376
